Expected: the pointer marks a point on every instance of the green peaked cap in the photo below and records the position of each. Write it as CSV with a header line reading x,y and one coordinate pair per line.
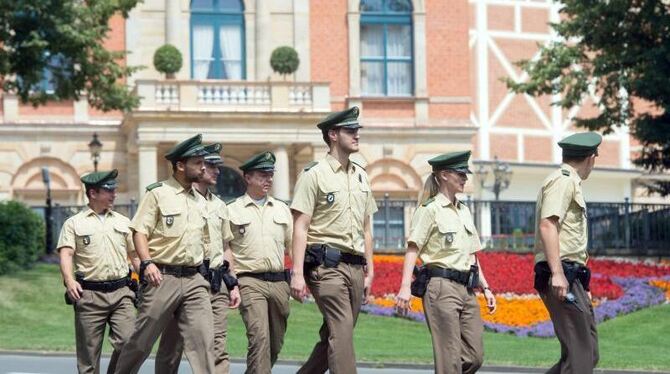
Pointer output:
x,y
581,144
264,161
213,154
191,147
346,118
457,161
102,179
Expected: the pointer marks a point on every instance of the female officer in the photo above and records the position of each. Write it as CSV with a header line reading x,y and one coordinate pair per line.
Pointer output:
x,y
443,235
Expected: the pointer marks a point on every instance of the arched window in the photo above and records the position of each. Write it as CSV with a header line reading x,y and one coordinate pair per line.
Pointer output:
x,y
386,48
217,39
230,184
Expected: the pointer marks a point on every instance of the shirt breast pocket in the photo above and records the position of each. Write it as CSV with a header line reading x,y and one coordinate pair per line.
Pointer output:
x,y
239,226
121,233
173,220
84,238
448,234
281,224
330,197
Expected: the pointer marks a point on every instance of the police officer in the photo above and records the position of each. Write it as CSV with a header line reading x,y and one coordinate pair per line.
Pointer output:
x,y
332,207
171,345
97,241
169,231
561,235
444,236
262,228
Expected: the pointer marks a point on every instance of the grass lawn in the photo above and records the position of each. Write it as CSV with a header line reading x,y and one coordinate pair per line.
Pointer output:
x,y
34,317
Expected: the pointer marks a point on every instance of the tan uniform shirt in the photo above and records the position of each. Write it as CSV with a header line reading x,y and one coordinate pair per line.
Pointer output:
x,y
338,200
174,223
445,234
561,196
218,229
101,247
261,234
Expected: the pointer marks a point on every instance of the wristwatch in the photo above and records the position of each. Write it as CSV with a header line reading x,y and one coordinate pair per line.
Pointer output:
x,y
145,263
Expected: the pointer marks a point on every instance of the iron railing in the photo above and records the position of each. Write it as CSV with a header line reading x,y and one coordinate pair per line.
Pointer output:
x,y
622,228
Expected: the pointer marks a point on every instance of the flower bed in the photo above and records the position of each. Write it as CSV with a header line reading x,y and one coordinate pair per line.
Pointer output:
x,y
619,286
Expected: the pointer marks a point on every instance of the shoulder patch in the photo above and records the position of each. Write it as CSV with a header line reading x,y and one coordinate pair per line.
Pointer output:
x,y
357,164
427,202
310,165
154,185
565,172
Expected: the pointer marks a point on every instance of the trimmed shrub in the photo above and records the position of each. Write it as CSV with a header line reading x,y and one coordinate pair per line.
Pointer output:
x,y
21,236
167,59
284,60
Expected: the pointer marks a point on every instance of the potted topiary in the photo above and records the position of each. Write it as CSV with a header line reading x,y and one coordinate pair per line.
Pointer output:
x,y
167,60
284,60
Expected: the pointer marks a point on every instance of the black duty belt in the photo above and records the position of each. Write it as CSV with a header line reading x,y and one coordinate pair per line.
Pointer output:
x,y
104,286
269,276
352,259
454,275
178,270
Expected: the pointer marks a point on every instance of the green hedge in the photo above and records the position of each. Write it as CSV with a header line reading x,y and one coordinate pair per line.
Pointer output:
x,y
21,236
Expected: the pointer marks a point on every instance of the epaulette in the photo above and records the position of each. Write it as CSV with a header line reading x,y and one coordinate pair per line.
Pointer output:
x,y
230,201
565,172
357,164
283,201
427,202
154,185
310,165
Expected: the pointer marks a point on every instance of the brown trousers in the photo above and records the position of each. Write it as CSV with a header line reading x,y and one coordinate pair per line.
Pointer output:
x,y
187,300
339,295
265,311
575,330
171,345
456,327
92,313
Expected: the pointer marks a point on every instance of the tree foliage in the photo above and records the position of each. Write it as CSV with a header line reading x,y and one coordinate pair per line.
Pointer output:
x,y
618,50
167,59
63,39
284,60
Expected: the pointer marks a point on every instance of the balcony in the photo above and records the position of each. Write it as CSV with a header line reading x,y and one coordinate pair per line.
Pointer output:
x,y
233,96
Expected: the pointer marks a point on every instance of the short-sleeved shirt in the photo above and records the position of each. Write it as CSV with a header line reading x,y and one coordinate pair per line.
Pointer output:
x,y
338,199
174,222
218,229
561,196
101,244
261,234
445,234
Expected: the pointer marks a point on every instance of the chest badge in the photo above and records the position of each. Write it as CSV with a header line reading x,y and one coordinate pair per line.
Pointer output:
x,y
330,198
450,237
87,240
169,220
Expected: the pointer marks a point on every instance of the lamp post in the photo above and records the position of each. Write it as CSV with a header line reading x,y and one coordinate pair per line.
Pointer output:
x,y
48,211
502,175
95,146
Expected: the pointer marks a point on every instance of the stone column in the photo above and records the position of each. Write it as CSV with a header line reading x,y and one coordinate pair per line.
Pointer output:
x,y
263,39
148,166
172,22
281,189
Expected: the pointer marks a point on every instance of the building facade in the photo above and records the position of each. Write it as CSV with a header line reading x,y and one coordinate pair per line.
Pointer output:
x,y
427,75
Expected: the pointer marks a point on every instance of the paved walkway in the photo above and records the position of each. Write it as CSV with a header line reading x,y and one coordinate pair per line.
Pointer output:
x,y
34,363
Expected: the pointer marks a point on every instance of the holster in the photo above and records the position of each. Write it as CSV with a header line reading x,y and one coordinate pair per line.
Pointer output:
x,y
572,271
420,282
473,277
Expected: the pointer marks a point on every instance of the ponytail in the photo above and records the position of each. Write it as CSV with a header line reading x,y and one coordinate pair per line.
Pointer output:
x,y
430,188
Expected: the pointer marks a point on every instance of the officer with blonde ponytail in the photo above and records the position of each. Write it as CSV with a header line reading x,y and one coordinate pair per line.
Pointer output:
x,y
444,237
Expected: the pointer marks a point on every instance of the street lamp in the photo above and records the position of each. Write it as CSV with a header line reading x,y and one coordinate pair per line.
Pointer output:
x,y
95,146
48,211
502,175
